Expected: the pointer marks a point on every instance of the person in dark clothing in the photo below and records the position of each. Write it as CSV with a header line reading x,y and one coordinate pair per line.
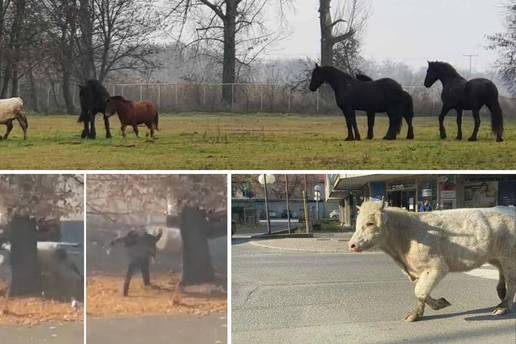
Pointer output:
x,y
141,248
426,206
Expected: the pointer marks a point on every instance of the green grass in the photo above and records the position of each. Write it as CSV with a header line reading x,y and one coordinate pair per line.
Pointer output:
x,y
258,141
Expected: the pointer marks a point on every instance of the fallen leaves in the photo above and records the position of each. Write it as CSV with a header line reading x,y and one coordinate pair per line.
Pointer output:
x,y
105,298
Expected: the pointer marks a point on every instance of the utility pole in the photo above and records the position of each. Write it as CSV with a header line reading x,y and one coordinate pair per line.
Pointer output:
x,y
288,207
470,56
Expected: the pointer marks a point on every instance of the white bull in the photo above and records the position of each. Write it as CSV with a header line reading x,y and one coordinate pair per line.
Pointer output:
x,y
12,109
429,245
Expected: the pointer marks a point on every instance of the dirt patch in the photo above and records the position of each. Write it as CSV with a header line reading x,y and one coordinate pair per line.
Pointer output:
x,y
105,298
32,311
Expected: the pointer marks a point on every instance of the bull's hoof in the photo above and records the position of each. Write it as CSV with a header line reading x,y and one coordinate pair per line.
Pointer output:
x,y
439,304
500,310
412,316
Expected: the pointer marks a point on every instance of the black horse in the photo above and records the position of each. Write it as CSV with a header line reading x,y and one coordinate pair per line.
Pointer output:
x,y
94,98
407,113
460,94
383,95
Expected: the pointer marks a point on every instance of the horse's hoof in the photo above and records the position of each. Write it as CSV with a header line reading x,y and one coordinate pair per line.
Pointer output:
x,y
458,138
349,139
472,139
410,137
412,316
499,139
108,136
388,138
370,137
443,136
500,310
357,138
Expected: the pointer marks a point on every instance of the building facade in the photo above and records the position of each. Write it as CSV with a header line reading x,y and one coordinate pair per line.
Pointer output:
x,y
419,192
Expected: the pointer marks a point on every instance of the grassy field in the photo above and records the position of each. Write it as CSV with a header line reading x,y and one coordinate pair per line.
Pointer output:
x,y
258,141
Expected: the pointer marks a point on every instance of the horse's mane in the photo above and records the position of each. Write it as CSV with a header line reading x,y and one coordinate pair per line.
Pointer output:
x,y
363,77
443,68
334,70
120,98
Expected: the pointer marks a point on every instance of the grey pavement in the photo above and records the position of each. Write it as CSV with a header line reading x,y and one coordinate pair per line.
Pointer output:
x,y
159,330
280,295
55,333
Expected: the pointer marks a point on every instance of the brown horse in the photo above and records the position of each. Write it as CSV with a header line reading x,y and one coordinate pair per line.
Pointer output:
x,y
133,113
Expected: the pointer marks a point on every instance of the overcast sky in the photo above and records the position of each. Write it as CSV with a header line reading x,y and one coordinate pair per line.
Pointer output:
x,y
411,31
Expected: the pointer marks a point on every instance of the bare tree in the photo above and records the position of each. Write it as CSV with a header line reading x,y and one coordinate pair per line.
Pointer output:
x,y
237,27
505,43
339,27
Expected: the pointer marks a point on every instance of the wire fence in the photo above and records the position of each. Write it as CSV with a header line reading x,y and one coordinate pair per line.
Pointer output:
x,y
246,98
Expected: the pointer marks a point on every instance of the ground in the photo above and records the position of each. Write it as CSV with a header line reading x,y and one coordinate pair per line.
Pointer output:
x,y
315,291
148,314
34,320
253,141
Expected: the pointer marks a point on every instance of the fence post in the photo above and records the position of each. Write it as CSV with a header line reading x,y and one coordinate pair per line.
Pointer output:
x,y
317,101
159,96
141,92
48,97
176,95
232,96
261,98
289,100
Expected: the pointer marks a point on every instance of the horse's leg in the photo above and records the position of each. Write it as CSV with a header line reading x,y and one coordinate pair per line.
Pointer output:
x,y
349,124
108,129
9,125
135,129
355,126
476,117
150,125
459,124
122,128
442,129
93,132
370,125
393,125
410,131
85,131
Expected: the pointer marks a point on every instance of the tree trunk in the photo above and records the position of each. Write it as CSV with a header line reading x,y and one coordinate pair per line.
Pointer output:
x,y
85,42
197,266
70,109
33,93
229,63
325,21
25,271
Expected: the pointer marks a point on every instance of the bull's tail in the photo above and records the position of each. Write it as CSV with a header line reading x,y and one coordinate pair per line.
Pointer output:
x,y
496,119
156,120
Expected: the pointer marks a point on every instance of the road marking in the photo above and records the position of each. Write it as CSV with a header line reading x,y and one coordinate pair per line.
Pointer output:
x,y
343,251
486,271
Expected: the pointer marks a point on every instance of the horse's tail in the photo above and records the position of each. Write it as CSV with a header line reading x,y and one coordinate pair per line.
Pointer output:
x,y
408,103
496,118
156,120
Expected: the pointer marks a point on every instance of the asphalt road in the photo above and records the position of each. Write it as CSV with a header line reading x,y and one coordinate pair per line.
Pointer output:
x,y
159,330
295,296
41,334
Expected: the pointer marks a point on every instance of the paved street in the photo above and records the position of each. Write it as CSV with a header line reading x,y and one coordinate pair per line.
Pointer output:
x,y
302,291
54,333
159,330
